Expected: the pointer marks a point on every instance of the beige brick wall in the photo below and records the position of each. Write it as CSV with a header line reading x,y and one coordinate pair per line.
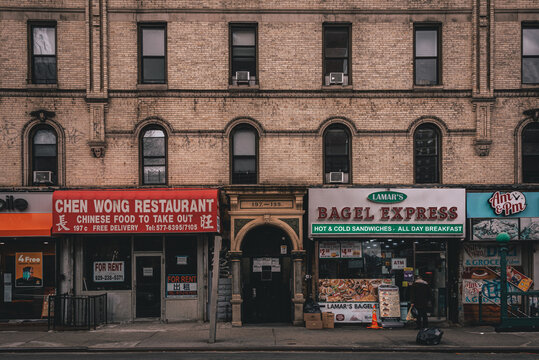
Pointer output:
x,y
198,106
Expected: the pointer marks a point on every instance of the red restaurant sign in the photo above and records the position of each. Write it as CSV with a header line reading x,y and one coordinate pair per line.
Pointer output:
x,y
135,211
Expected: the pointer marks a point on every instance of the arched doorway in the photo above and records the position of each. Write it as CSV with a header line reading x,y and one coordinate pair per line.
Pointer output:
x,y
266,267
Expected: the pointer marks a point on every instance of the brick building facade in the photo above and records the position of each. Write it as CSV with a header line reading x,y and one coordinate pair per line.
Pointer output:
x,y
454,64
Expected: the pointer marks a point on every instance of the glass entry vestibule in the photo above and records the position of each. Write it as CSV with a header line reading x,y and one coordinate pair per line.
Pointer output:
x,y
386,261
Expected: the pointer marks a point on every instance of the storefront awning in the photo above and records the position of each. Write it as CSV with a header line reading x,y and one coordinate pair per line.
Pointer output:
x,y
136,211
19,225
25,214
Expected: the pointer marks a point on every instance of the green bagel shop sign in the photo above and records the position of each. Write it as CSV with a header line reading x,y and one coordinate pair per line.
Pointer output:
x,y
386,212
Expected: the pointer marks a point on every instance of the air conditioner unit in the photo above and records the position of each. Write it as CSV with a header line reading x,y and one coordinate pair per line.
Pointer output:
x,y
336,78
336,177
42,177
242,76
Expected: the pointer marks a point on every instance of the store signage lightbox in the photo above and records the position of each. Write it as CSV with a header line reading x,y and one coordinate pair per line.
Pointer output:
x,y
383,212
135,211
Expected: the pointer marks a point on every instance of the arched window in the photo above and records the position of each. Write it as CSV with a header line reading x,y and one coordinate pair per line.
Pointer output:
x,y
153,148
44,158
244,155
530,153
336,155
427,154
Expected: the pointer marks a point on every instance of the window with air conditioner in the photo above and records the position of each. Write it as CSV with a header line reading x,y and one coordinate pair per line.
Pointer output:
x,y
243,52
44,161
336,54
336,155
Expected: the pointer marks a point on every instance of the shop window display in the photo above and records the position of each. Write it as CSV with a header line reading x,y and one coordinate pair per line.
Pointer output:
x,y
107,263
181,267
29,267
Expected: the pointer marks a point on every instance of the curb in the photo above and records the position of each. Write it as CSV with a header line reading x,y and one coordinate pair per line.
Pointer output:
x,y
209,348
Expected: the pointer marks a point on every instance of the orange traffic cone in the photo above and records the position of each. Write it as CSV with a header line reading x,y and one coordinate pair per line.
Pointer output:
x,y
374,322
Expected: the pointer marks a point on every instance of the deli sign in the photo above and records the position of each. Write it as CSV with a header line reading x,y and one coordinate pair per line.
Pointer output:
x,y
136,211
384,212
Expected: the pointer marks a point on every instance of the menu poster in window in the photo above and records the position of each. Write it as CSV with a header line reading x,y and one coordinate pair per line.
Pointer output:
x,y
109,271
29,269
329,249
350,249
181,286
349,290
388,298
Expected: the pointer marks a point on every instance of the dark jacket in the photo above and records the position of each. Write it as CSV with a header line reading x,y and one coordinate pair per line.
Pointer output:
x,y
420,294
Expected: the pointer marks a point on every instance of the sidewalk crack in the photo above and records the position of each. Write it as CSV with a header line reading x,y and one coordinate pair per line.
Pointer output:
x,y
274,337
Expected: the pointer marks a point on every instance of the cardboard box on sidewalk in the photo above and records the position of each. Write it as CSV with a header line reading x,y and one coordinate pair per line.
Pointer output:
x,y
314,325
312,317
328,320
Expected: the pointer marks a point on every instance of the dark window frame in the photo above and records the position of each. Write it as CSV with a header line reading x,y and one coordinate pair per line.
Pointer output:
x,y
426,27
142,165
141,57
231,28
526,25
31,56
233,177
348,27
528,175
438,156
345,129
33,160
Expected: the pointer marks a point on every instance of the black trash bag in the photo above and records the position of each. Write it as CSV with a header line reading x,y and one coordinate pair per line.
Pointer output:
x,y
415,312
429,336
311,307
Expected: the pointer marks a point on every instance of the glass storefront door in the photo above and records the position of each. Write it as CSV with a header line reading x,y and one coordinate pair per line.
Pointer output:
x,y
148,286
432,266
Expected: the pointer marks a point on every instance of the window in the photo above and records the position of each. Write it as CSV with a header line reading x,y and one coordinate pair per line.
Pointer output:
x,y
152,39
530,54
530,153
154,152
244,155
427,55
43,50
336,54
107,263
181,266
427,154
243,53
44,161
336,155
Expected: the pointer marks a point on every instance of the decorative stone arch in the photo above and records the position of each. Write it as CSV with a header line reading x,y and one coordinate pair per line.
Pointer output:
x,y
236,243
442,126
337,120
153,120
517,134
243,120
42,117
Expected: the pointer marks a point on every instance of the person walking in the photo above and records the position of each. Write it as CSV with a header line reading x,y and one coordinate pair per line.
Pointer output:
x,y
419,298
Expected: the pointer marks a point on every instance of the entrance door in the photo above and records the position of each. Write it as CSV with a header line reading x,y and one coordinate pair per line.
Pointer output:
x,y
432,265
266,282
148,286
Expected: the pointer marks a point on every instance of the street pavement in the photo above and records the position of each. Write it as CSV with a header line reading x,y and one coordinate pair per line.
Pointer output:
x,y
193,336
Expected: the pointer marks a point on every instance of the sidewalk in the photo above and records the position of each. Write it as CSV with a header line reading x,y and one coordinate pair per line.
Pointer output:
x,y
149,336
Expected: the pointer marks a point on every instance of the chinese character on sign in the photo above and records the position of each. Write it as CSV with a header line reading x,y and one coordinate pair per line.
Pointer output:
x,y
62,223
205,221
